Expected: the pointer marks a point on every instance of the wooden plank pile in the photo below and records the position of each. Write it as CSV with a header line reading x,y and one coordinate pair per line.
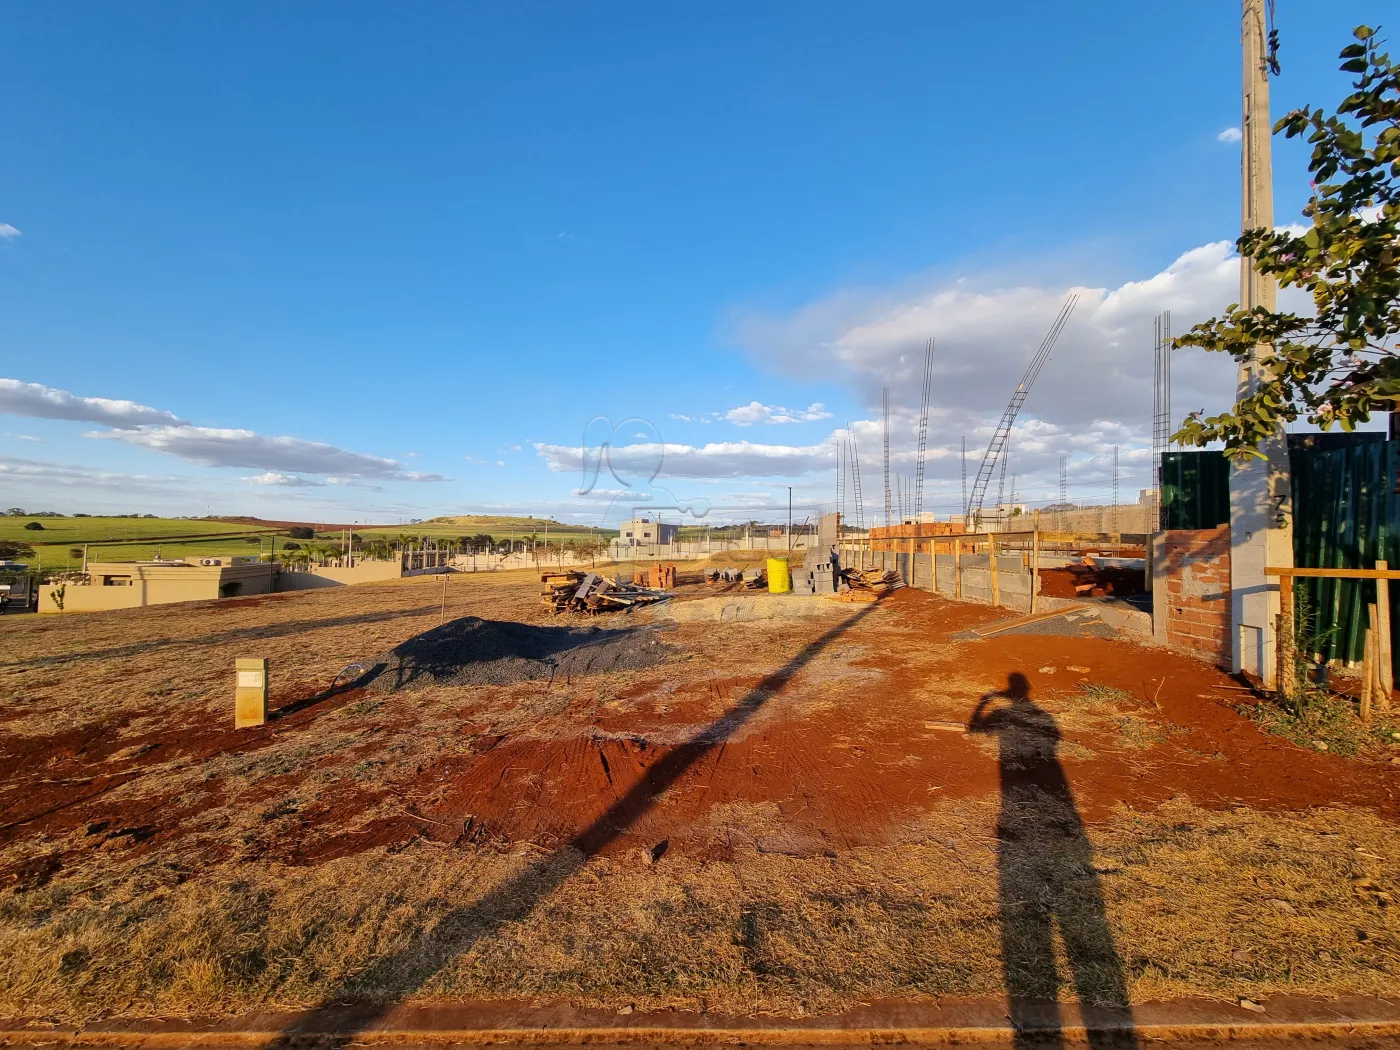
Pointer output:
x,y
865,585
590,592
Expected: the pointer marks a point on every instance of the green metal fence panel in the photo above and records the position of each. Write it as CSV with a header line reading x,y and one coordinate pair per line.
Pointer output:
x,y
1195,490
1346,515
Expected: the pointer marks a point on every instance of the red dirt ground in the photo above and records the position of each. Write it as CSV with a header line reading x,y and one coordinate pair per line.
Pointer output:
x,y
825,763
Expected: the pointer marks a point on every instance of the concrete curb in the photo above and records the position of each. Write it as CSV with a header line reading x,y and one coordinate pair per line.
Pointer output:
x,y
973,1022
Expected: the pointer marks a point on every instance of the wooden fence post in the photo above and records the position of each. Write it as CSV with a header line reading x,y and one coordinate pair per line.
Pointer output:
x,y
1368,666
957,569
1035,555
1383,657
1286,645
992,564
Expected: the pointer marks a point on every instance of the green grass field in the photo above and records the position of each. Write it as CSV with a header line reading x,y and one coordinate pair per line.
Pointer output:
x,y
128,539
139,539
500,527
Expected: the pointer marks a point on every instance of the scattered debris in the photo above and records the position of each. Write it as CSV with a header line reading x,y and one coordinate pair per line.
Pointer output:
x,y
1076,669
725,576
1250,1004
1092,577
865,585
947,727
1021,621
1048,670
591,592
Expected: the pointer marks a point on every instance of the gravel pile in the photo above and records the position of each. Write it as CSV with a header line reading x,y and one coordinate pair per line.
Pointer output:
x,y
473,651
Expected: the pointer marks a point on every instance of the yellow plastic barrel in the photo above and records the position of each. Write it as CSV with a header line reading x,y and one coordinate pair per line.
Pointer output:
x,y
779,581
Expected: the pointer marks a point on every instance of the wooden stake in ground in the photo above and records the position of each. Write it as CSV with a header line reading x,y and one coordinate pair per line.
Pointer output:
x,y
957,569
1383,654
1373,618
1368,670
1286,647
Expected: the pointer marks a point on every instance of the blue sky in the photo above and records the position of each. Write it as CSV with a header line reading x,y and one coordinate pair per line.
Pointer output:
x,y
443,237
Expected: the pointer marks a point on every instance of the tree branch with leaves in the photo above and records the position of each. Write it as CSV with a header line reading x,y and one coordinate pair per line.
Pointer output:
x,y
1340,365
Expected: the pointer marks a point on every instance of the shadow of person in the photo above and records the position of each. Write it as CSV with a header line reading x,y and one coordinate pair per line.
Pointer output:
x,y
1047,880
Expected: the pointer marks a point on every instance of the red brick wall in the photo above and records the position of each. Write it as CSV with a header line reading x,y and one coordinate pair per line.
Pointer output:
x,y
1198,591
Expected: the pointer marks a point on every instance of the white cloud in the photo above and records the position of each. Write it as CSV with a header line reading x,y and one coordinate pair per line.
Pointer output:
x,y
1101,368
1095,391
757,412
677,415
1230,135
218,447
45,402
24,437
15,471
285,480
727,459
163,431
8,232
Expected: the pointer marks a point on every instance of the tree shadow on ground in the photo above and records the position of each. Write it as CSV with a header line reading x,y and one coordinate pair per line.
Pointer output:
x,y
341,1017
1047,881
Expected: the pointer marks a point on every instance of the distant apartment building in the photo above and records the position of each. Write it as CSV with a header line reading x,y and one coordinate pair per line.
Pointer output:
x,y
645,532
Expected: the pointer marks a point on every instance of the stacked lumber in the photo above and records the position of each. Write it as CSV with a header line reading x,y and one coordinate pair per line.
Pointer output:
x,y
865,585
590,592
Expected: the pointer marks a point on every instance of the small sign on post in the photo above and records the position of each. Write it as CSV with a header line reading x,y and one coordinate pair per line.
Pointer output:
x,y
250,693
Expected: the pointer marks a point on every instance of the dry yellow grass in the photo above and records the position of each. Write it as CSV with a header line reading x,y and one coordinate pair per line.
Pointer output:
x,y
1200,901
1191,895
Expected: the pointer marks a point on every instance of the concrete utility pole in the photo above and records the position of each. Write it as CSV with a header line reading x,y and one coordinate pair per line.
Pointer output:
x,y
1261,503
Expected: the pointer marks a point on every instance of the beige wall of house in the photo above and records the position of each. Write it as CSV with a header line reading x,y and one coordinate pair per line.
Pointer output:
x,y
334,576
131,584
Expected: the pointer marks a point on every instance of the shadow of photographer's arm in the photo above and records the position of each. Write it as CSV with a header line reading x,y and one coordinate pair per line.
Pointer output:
x,y
981,719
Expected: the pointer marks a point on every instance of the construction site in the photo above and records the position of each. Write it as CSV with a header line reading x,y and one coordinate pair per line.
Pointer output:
x,y
666,796
1117,774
